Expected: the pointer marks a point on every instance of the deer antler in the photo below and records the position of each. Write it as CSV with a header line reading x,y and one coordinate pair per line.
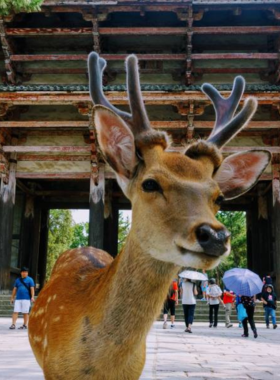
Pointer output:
x,y
227,126
138,119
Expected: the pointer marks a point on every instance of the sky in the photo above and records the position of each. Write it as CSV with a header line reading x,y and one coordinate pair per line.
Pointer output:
x,y
82,216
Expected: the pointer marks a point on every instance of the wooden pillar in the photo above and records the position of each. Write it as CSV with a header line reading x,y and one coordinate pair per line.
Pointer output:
x,y
111,229
259,234
276,224
7,203
43,251
35,245
96,210
26,234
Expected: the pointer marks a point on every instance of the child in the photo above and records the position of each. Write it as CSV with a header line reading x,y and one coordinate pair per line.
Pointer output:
x,y
270,304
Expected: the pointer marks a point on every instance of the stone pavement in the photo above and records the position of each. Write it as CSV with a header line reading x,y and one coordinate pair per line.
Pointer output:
x,y
171,354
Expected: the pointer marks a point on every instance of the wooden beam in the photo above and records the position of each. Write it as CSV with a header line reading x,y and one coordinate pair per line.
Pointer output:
x,y
206,56
82,124
46,149
252,124
44,124
80,175
84,57
88,31
237,30
120,98
136,31
229,70
41,157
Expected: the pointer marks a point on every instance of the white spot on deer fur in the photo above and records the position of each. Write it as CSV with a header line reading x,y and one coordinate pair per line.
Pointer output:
x,y
45,343
37,338
46,325
61,307
49,299
56,319
40,311
54,296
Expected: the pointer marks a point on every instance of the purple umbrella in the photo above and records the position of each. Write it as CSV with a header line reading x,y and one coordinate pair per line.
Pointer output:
x,y
243,282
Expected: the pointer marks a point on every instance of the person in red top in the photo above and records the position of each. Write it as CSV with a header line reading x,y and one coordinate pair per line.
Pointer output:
x,y
170,303
228,299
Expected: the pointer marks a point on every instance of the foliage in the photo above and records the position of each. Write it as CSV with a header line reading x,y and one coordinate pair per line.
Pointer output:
x,y
60,236
10,6
124,227
80,235
235,221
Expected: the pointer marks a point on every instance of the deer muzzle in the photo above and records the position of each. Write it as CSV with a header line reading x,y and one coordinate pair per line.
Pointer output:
x,y
214,242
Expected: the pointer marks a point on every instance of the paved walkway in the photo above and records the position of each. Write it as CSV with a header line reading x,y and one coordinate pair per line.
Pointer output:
x,y
171,354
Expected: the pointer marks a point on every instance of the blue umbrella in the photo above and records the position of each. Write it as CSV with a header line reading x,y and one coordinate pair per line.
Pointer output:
x,y
243,282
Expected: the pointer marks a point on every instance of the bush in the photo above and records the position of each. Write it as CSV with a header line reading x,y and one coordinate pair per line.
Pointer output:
x,y
10,6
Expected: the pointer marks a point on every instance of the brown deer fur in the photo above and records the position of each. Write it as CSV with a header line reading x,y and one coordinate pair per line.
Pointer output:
x,y
91,320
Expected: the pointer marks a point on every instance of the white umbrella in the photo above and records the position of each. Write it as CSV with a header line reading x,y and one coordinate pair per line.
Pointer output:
x,y
192,275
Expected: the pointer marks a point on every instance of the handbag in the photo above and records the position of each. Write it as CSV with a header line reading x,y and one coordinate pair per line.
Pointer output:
x,y
241,312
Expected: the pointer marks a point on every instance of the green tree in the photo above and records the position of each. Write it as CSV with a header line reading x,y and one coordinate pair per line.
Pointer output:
x,y
235,222
10,6
60,236
80,235
124,227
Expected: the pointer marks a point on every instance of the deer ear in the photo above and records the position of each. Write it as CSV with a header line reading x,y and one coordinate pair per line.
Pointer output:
x,y
240,172
116,142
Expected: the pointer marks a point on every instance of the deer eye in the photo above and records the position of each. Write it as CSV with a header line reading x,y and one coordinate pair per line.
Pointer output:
x,y
219,200
150,185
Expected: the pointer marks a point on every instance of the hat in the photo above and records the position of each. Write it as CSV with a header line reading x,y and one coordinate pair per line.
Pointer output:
x,y
268,286
24,269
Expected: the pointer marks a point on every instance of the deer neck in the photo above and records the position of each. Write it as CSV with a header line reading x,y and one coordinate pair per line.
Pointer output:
x,y
137,292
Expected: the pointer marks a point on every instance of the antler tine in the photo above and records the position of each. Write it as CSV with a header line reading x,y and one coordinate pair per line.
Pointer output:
x,y
140,121
96,66
227,127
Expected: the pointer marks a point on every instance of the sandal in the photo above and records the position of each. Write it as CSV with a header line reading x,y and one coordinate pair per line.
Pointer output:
x,y
12,327
23,327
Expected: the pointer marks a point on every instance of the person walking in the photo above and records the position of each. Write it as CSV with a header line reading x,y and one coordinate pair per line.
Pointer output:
x,y
189,293
228,299
170,303
269,300
249,305
22,296
214,298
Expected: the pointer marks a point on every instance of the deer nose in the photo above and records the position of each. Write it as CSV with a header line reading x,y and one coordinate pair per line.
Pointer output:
x,y
214,242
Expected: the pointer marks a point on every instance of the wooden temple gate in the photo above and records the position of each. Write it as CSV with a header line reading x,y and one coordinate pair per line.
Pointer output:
x,y
48,153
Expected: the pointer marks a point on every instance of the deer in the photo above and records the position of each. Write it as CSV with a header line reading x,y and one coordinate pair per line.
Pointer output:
x,y
91,319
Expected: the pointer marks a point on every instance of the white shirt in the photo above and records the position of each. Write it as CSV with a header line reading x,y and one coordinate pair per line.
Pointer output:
x,y
188,296
214,291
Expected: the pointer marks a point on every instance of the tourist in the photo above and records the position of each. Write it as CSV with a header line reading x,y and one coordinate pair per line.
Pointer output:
x,y
204,287
189,293
170,303
214,297
249,305
228,299
22,296
237,302
270,304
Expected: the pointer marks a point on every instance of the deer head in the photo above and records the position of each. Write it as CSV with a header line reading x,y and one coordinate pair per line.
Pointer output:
x,y
175,196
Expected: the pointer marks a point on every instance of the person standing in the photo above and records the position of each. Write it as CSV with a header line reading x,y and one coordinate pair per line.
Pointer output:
x,y
189,292
249,305
228,299
22,296
269,300
214,298
170,303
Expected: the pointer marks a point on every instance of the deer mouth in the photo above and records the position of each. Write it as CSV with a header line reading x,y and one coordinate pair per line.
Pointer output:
x,y
185,251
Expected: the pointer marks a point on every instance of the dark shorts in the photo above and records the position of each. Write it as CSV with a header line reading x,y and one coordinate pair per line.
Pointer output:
x,y
169,305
